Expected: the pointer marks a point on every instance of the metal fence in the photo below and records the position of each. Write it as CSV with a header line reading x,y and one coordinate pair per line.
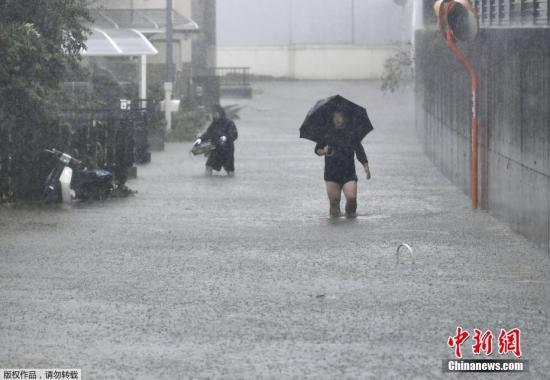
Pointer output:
x,y
115,138
513,13
234,81
112,139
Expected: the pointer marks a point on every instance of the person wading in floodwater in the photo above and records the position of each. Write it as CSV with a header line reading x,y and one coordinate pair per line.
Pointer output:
x,y
339,147
222,133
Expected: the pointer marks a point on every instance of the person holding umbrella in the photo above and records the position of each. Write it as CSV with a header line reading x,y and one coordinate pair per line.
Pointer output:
x,y
338,126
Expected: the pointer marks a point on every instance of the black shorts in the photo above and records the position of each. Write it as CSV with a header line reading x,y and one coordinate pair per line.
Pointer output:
x,y
341,180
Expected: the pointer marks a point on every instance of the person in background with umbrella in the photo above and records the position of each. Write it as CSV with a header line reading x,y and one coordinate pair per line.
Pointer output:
x,y
222,133
338,126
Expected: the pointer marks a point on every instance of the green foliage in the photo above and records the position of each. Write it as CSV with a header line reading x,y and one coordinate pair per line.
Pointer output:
x,y
155,90
159,125
188,122
398,70
107,92
39,39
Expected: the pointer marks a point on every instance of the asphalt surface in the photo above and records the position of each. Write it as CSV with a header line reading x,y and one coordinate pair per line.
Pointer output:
x,y
247,277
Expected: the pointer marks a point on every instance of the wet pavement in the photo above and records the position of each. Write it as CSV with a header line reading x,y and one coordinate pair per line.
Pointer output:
x,y
247,277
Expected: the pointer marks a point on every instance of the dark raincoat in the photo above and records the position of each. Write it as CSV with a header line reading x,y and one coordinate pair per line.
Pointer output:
x,y
224,154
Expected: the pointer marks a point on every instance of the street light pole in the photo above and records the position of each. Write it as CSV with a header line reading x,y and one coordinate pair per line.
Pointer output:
x,y
473,128
169,73
463,25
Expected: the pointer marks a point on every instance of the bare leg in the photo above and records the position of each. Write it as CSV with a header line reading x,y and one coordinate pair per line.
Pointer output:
x,y
350,192
333,191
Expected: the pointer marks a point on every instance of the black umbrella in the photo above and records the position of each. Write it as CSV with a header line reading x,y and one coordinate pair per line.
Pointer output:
x,y
319,119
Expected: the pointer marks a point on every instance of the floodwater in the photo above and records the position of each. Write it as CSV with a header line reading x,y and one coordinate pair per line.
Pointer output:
x,y
248,277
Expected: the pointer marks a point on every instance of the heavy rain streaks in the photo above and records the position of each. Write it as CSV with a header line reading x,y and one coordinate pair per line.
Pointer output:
x,y
178,226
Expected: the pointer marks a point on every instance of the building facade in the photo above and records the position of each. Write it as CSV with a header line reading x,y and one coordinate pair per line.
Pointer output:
x,y
309,39
191,42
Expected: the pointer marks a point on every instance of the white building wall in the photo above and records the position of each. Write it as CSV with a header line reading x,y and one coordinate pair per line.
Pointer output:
x,y
312,39
288,22
264,60
309,61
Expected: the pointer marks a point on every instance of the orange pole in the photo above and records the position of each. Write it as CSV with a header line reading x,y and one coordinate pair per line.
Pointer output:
x,y
473,78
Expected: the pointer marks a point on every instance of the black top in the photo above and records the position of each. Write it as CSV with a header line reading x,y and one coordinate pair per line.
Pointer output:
x,y
340,163
221,127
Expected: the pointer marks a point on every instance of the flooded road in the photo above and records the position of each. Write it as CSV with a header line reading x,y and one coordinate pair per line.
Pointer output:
x,y
245,277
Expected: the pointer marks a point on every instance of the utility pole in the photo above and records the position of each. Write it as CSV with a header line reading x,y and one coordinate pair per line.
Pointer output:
x,y
169,75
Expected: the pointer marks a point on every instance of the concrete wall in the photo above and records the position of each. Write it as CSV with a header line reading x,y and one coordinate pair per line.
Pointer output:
x,y
514,71
309,61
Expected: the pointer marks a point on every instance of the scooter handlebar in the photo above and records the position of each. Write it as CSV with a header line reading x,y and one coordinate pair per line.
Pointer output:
x,y
78,162
52,151
61,155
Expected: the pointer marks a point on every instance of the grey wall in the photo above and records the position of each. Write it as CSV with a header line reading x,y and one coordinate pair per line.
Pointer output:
x,y
514,70
280,22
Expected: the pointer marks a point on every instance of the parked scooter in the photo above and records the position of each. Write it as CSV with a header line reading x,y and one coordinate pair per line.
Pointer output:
x,y
70,180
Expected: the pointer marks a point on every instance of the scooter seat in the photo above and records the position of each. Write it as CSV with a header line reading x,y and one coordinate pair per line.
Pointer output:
x,y
102,173
93,176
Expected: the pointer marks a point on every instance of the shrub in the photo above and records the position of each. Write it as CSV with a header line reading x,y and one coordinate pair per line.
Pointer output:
x,y
398,70
188,122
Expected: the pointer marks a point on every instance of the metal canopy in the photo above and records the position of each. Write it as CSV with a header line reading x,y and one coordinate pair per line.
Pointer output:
x,y
147,21
118,42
